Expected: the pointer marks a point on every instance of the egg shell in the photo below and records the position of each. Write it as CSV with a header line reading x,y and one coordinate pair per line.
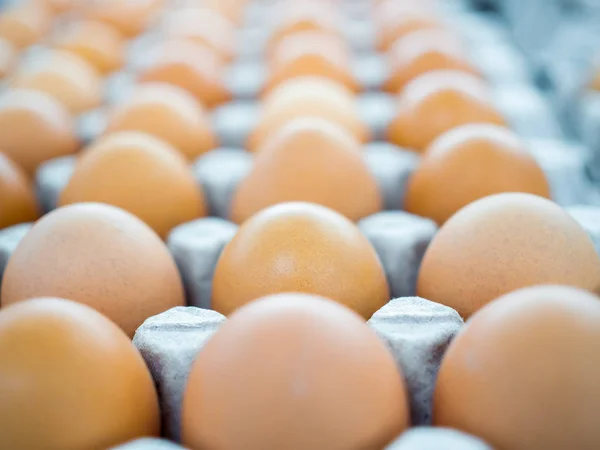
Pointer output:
x,y
436,102
71,380
332,389
395,20
25,24
130,18
141,174
34,128
9,239
589,218
17,197
231,9
300,247
295,165
167,112
430,438
505,242
98,255
468,163
501,363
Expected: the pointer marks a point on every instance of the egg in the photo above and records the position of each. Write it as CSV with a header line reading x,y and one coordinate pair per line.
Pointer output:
x,y
424,51
17,197
98,255
61,6
529,366
189,65
71,379
99,44
169,113
231,9
279,385
436,102
300,247
468,163
24,24
313,53
65,76
308,97
505,242
312,160
141,174
35,127
8,57
130,17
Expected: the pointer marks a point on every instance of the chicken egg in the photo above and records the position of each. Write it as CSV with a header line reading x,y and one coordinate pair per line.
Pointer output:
x,y
24,24
17,197
130,17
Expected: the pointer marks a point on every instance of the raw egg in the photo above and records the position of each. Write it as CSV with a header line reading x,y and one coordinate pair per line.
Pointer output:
x,y
71,380
505,242
468,163
308,97
523,374
300,247
25,24
298,372
311,160
17,197
141,174
436,102
98,255
35,127
169,113
8,57
129,17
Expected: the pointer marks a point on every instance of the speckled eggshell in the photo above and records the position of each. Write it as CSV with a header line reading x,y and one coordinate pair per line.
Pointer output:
x,y
505,242
71,379
141,174
98,255
296,164
523,374
300,247
23,24
468,163
298,372
18,203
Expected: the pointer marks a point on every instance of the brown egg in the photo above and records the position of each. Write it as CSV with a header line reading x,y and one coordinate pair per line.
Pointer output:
x,y
311,160
335,387
505,242
71,379
312,53
98,255
529,366
35,127
424,51
141,174
17,197
129,17
468,163
169,113
308,97
25,24
189,65
436,102
99,44
300,247
65,76
395,20
8,57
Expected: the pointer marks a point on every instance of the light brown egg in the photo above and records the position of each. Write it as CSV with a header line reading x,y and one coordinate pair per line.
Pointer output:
x,y
280,385
141,174
300,247
424,51
189,65
523,374
130,17
65,76
98,255
308,97
8,57
468,163
505,242
312,53
71,379
311,160
35,127
99,44
231,9
25,24
436,102
17,197
169,113
61,6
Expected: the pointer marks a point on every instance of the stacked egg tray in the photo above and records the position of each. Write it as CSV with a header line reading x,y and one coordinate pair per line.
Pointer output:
x,y
416,331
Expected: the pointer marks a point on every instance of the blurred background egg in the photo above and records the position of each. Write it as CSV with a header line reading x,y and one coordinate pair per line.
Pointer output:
x,y
24,24
8,57
396,19
130,17
300,247
279,386
98,255
505,242
17,197
71,379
